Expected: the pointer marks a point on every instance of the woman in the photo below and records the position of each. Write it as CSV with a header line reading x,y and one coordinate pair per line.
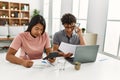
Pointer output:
x,y
32,42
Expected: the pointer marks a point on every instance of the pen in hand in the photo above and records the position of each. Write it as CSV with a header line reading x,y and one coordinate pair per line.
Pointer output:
x,y
27,62
50,63
27,56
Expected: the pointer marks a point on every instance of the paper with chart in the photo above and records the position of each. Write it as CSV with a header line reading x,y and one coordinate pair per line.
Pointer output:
x,y
66,48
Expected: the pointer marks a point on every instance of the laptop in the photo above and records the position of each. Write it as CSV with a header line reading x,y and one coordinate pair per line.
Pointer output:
x,y
84,54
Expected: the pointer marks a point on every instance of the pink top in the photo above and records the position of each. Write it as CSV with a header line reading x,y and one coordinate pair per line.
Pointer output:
x,y
33,47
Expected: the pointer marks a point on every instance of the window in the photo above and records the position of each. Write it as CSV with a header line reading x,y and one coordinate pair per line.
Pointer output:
x,y
80,8
56,12
46,12
112,37
52,13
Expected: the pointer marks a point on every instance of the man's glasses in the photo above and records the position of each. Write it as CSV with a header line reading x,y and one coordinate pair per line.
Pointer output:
x,y
72,26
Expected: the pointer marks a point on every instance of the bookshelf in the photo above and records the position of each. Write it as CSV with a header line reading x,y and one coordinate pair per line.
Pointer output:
x,y
14,14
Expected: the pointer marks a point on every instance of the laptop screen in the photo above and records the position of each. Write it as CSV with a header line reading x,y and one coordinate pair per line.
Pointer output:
x,y
86,53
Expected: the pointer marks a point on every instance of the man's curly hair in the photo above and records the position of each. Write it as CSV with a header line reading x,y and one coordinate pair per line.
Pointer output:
x,y
68,19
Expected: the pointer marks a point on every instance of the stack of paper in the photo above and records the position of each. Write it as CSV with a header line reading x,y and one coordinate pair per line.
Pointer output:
x,y
67,48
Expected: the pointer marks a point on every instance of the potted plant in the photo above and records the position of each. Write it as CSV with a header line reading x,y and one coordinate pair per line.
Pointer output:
x,y
8,36
3,15
15,8
35,12
3,6
83,30
11,7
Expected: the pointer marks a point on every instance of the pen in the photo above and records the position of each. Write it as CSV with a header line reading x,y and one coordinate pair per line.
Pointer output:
x,y
27,55
44,62
50,63
47,62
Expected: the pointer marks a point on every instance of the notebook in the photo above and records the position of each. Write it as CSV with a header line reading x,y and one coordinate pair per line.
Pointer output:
x,y
84,54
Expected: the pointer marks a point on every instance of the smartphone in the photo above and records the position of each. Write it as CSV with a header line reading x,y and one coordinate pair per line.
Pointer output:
x,y
52,55
77,25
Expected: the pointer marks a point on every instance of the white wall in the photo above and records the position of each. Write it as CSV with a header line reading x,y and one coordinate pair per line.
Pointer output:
x,y
66,6
97,18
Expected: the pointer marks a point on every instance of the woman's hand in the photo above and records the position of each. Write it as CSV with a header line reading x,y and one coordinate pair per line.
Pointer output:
x,y
27,63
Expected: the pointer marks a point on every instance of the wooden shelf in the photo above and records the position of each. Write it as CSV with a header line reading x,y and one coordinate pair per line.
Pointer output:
x,y
14,13
6,39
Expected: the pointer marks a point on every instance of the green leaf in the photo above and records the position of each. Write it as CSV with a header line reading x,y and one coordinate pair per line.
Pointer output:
x,y
35,12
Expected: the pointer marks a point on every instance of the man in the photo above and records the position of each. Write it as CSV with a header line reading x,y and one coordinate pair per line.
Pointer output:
x,y
66,35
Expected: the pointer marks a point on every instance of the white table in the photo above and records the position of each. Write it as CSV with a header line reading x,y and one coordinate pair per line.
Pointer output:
x,y
105,68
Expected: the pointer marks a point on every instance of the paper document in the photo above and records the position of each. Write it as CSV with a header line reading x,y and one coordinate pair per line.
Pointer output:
x,y
66,48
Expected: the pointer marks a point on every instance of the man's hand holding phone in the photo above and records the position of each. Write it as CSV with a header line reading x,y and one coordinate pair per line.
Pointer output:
x,y
77,29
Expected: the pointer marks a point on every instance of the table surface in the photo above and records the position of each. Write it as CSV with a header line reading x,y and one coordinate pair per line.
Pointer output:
x,y
104,68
